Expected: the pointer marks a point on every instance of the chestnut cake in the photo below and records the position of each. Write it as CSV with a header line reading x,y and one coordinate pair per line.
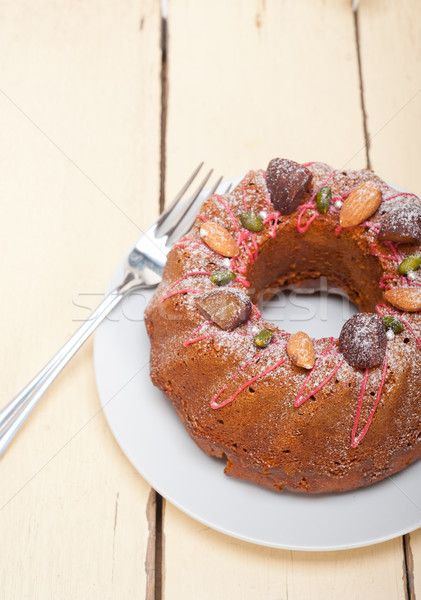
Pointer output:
x,y
286,411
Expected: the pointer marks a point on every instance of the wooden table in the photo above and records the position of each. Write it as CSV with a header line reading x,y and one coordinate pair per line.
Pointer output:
x,y
104,110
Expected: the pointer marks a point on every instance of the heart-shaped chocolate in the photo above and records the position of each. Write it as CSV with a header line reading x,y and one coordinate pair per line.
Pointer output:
x,y
287,182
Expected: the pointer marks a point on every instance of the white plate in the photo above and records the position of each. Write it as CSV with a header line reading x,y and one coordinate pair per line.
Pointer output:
x,y
153,438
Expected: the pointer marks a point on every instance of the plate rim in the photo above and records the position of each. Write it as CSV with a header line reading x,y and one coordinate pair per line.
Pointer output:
x,y
156,485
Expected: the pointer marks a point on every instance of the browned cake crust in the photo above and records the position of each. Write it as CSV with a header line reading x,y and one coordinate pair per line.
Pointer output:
x,y
329,428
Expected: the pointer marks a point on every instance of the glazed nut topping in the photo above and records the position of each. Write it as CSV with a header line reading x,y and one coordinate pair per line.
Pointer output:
x,y
402,223
222,277
219,239
301,350
226,308
361,204
410,264
251,221
392,324
407,299
324,199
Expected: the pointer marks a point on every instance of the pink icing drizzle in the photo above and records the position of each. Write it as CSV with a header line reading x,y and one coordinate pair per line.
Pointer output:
x,y
397,195
394,247
242,281
383,285
193,340
299,400
241,267
215,404
183,291
313,217
274,218
238,265
386,256
311,205
373,226
356,439
229,211
186,242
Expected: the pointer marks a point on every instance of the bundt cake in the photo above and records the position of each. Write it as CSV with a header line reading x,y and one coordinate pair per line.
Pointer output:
x,y
286,411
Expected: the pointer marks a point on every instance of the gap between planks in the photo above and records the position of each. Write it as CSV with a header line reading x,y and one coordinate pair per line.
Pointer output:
x,y
408,560
154,552
408,567
164,106
360,77
155,559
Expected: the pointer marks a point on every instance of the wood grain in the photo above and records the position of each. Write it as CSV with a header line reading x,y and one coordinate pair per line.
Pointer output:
x,y
80,108
250,81
391,52
79,175
208,564
269,78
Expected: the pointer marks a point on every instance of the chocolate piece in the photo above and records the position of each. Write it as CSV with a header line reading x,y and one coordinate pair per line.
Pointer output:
x,y
402,223
277,425
287,182
363,340
226,308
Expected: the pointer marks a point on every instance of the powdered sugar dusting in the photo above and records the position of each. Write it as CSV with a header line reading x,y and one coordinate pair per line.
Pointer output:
x,y
245,365
363,340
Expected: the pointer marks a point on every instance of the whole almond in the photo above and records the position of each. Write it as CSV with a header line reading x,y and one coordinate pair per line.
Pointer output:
x,y
360,204
406,298
219,239
301,350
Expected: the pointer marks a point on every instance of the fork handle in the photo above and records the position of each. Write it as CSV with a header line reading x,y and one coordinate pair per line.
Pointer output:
x,y
14,414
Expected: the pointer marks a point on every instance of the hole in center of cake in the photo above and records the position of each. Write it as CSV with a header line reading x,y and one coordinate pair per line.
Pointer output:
x,y
317,307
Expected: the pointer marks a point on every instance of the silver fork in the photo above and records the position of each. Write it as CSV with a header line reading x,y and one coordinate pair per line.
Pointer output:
x,y
143,269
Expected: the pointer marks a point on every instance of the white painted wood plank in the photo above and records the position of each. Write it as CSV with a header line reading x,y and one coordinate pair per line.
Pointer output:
x,y
391,55
79,174
202,563
414,562
391,52
248,82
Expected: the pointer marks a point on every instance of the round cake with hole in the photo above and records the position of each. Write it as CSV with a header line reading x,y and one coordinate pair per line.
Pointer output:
x,y
282,409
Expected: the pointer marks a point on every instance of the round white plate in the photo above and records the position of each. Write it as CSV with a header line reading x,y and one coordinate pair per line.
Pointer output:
x,y
153,438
